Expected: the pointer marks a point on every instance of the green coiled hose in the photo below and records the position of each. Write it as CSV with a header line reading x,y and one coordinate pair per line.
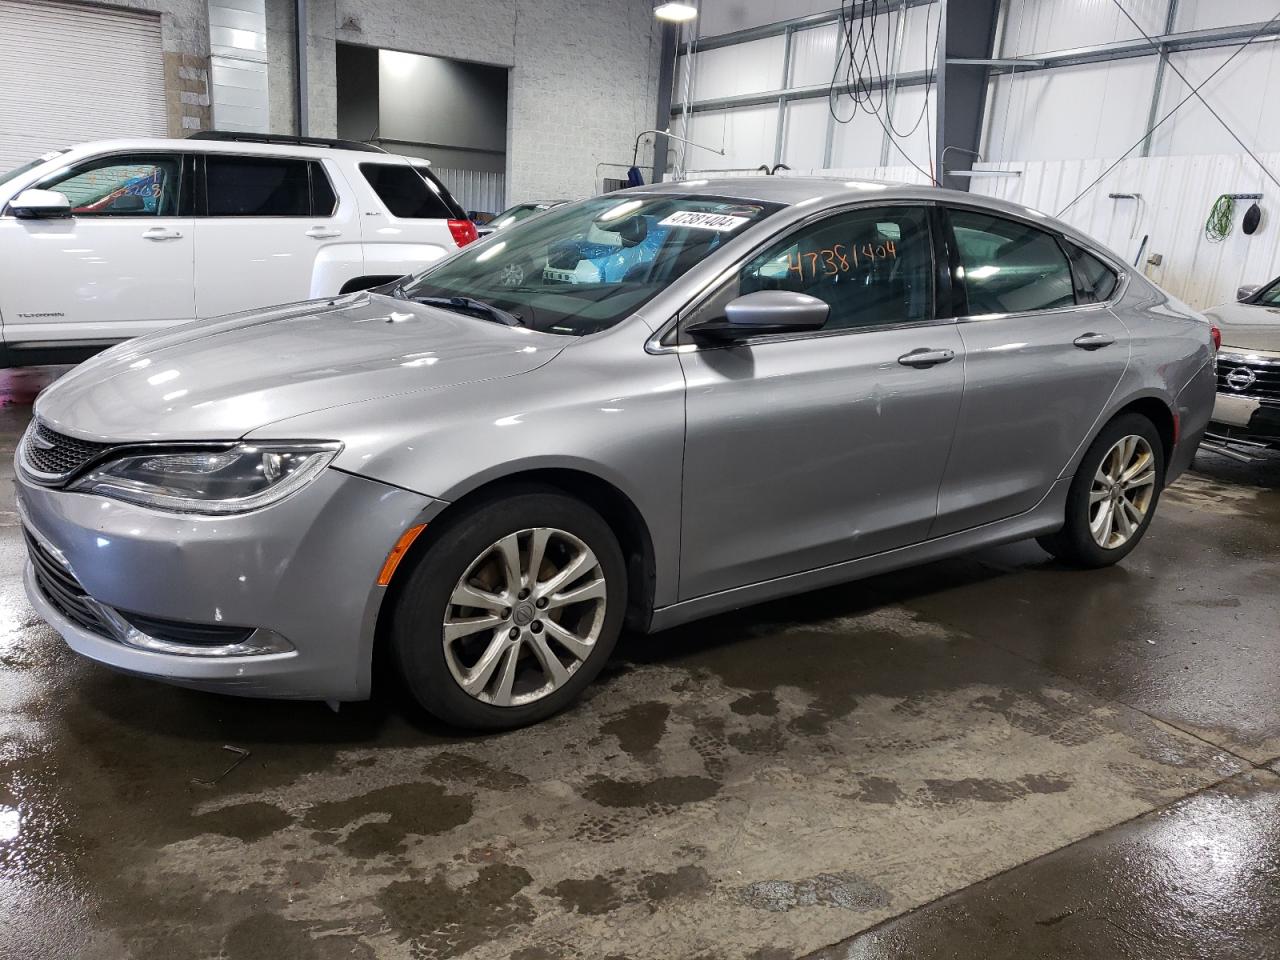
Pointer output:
x,y
1218,226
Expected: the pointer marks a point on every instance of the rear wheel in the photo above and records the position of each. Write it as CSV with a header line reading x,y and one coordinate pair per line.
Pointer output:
x,y
1113,495
511,612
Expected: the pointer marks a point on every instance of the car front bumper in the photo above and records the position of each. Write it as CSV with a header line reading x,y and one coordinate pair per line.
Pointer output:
x,y
1245,421
300,576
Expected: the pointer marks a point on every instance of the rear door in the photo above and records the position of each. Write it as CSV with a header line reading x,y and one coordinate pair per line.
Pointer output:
x,y
270,230
119,266
407,215
1041,363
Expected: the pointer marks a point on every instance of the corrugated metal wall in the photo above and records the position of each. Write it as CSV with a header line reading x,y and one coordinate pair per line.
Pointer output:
x,y
1177,193
70,73
483,192
238,62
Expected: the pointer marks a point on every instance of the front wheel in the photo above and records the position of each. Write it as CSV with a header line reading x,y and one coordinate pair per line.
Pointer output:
x,y
1113,495
512,612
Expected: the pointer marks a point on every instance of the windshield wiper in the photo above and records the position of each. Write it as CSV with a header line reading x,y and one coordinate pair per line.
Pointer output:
x,y
474,306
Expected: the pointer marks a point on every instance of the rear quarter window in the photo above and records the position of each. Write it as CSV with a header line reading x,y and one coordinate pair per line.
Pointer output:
x,y
410,193
1095,281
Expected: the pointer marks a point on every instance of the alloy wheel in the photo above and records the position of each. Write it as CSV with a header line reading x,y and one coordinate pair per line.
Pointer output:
x,y
524,616
1122,492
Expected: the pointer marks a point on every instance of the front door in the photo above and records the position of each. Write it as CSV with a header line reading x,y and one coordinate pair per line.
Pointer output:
x,y
118,267
808,450
1041,364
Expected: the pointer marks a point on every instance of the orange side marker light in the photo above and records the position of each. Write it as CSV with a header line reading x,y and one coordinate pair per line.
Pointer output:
x,y
397,553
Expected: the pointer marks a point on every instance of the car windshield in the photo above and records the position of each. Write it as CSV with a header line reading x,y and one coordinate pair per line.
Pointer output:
x,y
581,268
1270,295
19,171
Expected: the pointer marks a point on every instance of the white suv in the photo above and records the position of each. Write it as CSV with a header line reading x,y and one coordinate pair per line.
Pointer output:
x,y
110,240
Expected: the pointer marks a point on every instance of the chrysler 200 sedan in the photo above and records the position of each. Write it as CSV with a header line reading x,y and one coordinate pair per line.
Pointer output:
x,y
491,467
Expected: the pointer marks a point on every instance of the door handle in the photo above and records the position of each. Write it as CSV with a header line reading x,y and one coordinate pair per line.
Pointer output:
x,y
161,233
1094,341
924,357
323,233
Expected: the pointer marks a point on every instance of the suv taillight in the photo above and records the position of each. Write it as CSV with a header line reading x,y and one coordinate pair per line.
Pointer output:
x,y
464,231
1214,332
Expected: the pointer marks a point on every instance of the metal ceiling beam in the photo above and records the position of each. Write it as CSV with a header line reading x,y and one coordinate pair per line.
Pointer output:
x,y
782,26
796,93
1128,49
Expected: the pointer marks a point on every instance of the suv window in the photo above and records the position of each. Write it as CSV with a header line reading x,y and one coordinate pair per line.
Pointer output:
x,y
324,202
259,187
1010,267
410,193
121,186
874,267
1095,281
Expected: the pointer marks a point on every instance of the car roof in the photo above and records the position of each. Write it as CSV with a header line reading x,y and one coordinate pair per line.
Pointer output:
x,y
818,192
254,147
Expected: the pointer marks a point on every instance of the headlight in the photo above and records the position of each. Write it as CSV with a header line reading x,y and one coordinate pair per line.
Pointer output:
x,y
245,477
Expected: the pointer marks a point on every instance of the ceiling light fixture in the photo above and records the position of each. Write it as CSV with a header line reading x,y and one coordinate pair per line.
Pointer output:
x,y
675,12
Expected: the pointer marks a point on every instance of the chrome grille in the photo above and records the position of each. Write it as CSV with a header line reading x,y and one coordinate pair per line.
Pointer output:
x,y
61,588
1251,377
57,455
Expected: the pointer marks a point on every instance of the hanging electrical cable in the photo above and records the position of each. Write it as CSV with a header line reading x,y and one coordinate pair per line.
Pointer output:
x,y
860,74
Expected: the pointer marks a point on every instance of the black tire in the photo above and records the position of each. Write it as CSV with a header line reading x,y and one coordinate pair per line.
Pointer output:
x,y
423,600
1075,543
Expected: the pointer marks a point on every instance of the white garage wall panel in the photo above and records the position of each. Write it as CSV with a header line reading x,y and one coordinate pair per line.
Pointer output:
x,y
813,55
1093,110
804,141
1255,118
1045,26
748,136
1177,193
1203,14
722,73
238,65
70,73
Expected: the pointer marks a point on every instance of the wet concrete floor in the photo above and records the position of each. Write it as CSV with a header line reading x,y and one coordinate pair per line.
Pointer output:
x,y
991,756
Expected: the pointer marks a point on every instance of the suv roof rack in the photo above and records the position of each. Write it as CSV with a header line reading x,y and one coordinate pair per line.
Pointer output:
x,y
233,136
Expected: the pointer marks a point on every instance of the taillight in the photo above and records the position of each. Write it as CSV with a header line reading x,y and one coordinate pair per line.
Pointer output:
x,y
1214,332
464,231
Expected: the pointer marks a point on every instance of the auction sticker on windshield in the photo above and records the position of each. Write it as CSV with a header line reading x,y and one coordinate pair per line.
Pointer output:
x,y
704,221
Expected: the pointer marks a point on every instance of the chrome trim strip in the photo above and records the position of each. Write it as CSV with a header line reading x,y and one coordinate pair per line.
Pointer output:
x,y
1266,358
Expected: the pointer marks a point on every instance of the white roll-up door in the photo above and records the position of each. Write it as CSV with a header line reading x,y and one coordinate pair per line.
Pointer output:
x,y
70,73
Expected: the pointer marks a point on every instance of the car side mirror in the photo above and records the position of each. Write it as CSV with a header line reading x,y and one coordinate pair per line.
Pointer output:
x,y
40,205
1247,291
765,311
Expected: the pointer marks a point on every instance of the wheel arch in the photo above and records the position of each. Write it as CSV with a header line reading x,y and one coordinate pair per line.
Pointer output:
x,y
614,505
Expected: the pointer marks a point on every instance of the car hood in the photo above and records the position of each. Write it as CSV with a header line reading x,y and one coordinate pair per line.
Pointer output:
x,y
1249,326
222,379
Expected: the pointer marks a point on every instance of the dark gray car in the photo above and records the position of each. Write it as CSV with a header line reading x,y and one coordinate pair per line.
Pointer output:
x,y
640,408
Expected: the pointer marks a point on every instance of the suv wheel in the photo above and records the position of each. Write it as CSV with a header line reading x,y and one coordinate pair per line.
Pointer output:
x,y
1113,496
511,612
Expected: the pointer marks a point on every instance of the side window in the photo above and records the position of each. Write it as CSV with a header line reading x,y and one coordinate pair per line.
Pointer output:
x,y
324,203
1095,281
405,192
872,266
121,186
1010,267
257,187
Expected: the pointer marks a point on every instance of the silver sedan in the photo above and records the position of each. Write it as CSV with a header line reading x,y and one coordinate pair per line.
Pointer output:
x,y
636,409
